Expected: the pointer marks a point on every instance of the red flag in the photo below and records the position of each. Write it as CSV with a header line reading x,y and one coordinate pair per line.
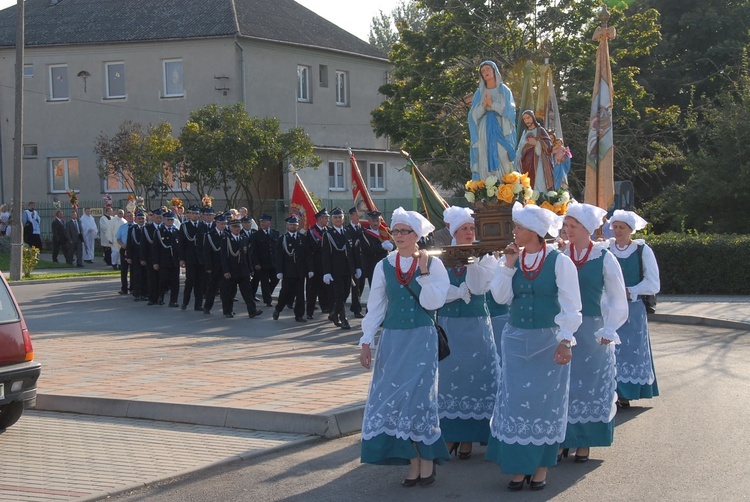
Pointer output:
x,y
302,205
362,200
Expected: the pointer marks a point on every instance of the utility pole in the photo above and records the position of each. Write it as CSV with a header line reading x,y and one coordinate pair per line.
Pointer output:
x,y
16,234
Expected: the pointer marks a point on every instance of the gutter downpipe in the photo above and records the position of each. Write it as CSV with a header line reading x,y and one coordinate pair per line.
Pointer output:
x,y
244,76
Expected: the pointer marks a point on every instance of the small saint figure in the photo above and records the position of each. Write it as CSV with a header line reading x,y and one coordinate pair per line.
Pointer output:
x,y
560,162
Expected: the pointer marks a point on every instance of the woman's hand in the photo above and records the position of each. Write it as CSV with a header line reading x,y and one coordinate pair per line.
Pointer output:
x,y
563,354
365,357
511,254
423,262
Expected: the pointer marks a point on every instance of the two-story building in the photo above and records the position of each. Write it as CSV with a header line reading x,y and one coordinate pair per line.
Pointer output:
x,y
92,64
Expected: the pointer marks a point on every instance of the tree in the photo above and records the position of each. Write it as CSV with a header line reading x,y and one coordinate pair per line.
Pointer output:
x,y
383,28
139,157
435,74
225,148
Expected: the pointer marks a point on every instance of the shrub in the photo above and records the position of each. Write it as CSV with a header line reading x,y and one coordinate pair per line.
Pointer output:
x,y
30,259
702,263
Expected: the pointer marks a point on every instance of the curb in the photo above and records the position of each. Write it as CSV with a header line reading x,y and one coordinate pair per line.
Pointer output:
x,y
333,425
226,461
698,321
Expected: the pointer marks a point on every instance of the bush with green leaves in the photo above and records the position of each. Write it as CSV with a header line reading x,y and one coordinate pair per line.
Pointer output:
x,y
702,264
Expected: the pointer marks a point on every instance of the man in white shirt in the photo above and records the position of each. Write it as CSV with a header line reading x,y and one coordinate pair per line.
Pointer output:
x,y
89,231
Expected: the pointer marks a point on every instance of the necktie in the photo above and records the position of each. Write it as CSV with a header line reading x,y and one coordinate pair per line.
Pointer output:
x,y
75,222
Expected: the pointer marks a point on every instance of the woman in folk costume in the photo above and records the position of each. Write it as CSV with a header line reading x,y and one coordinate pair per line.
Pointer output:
x,y
593,397
401,424
636,378
468,377
531,408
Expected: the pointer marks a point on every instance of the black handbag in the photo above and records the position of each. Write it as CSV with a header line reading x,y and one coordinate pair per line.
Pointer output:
x,y
444,349
648,300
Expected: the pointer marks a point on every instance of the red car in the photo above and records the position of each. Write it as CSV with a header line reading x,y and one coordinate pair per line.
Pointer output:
x,y
18,370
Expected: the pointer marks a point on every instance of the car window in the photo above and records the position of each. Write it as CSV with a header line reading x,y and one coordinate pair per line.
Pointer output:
x,y
8,311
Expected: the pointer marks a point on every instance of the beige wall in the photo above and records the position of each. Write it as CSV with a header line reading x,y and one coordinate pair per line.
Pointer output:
x,y
69,128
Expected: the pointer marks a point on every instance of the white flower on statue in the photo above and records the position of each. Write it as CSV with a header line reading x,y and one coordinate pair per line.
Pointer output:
x,y
469,196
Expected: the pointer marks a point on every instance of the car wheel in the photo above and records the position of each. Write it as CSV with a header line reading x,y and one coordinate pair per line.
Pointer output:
x,y
10,413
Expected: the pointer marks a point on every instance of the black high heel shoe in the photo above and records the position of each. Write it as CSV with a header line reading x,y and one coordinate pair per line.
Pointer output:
x,y
465,455
563,453
535,486
582,458
429,479
453,451
517,486
408,483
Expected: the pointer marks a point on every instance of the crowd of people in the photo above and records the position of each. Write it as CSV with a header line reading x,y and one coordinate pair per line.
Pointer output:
x,y
223,253
547,340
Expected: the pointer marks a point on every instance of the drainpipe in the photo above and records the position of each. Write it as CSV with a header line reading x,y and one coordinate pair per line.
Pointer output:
x,y
242,63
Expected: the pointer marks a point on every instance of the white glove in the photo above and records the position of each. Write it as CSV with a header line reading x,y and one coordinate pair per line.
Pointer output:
x,y
387,245
328,278
358,273
310,274
279,276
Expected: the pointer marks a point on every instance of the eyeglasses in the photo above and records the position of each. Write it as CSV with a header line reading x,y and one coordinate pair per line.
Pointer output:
x,y
401,231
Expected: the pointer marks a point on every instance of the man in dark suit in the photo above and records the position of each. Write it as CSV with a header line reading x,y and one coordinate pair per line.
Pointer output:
x,y
262,247
134,259
236,266
354,233
147,243
212,242
75,238
339,266
291,270
166,259
372,247
190,250
59,238
316,289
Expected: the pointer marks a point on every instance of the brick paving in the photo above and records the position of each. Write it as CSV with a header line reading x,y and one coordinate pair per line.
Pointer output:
x,y
51,456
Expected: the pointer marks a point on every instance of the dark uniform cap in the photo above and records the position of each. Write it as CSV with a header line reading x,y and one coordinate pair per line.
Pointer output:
x,y
228,215
207,210
321,213
337,211
159,212
220,218
265,217
246,219
235,223
292,220
169,215
194,209
140,214
353,210
374,214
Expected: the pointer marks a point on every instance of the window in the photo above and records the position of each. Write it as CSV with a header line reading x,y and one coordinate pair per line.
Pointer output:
x,y
115,74
30,151
323,71
303,84
58,82
64,174
173,179
376,176
336,175
342,88
173,79
28,70
117,182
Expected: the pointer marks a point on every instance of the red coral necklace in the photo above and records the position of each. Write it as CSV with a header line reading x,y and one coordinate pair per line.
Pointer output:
x,y
405,278
584,258
532,271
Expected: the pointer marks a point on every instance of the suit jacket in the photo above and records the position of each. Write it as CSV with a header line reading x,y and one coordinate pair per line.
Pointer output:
x,y
235,256
212,250
135,237
165,249
147,243
291,256
74,232
371,250
315,239
189,244
263,247
59,235
339,257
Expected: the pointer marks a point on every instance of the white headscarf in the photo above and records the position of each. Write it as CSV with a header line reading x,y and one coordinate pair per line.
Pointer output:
x,y
456,216
533,217
413,220
591,217
631,219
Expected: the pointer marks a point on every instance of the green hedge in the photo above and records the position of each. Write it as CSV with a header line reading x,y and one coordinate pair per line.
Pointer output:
x,y
702,264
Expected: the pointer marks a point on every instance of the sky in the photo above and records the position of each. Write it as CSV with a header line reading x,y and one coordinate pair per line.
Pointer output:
x,y
352,15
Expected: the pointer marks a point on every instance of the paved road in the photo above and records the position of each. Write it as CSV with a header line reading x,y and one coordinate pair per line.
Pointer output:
x,y
689,444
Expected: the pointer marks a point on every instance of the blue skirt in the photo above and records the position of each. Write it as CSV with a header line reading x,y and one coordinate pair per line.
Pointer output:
x,y
498,324
388,450
468,379
588,435
636,378
521,459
